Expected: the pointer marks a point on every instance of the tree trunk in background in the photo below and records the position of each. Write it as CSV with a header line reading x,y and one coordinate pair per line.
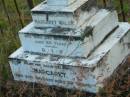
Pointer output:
x,y
105,3
5,9
1,30
19,14
30,3
122,10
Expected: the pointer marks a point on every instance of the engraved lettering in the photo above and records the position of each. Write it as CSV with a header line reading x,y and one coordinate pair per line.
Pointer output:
x,y
51,73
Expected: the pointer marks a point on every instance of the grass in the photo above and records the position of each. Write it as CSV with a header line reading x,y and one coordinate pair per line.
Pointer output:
x,y
9,40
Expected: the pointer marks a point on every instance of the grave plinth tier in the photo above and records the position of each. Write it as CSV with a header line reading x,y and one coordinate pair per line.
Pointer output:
x,y
74,73
60,2
70,42
71,16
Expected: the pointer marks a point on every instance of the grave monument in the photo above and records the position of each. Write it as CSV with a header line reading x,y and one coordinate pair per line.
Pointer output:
x,y
71,44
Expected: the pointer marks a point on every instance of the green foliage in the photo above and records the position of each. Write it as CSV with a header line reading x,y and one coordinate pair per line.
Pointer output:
x,y
9,40
126,8
3,25
8,43
129,20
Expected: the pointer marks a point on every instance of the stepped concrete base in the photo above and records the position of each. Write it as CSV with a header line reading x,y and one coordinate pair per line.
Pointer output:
x,y
74,73
73,43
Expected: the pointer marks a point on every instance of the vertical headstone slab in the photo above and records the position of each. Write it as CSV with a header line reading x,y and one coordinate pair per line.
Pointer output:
x,y
60,2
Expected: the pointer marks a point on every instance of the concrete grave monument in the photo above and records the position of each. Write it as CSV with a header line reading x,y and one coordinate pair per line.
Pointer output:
x,y
71,44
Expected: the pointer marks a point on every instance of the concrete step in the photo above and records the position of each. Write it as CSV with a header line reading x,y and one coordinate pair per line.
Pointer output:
x,y
74,73
60,2
72,16
66,42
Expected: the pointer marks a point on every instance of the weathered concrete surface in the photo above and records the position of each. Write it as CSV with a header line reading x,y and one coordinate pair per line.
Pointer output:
x,y
76,73
43,7
64,20
77,42
71,16
60,2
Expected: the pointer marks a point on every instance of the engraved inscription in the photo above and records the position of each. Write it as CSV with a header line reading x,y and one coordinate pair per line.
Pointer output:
x,y
54,22
49,73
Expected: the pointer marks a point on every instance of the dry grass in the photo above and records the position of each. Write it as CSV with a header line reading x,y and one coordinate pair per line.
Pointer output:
x,y
117,86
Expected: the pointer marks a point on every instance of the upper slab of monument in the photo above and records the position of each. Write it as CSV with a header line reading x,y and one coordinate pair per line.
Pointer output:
x,y
53,6
60,2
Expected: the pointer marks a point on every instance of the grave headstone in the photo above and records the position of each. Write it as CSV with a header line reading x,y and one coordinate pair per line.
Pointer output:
x,y
71,44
